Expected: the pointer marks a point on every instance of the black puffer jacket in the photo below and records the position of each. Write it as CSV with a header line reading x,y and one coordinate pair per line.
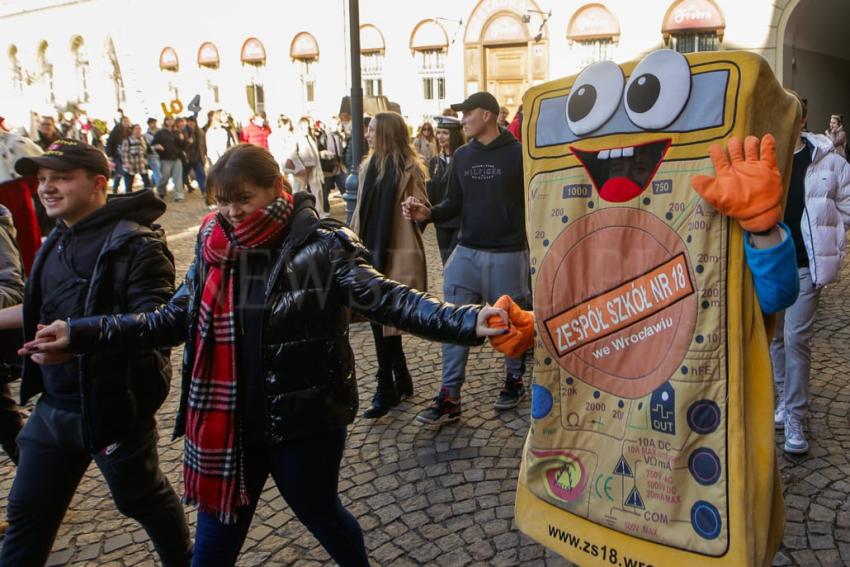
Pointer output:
x,y
322,272
134,272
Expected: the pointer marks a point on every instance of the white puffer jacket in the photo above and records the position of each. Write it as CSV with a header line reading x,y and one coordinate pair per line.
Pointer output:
x,y
827,213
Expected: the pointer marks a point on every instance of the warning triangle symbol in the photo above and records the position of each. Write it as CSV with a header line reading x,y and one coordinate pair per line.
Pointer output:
x,y
623,468
634,500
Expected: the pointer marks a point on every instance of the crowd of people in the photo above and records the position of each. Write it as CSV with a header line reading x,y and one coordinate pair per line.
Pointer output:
x,y
268,385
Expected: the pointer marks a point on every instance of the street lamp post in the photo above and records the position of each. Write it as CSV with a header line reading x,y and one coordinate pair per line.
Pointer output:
x,y
356,109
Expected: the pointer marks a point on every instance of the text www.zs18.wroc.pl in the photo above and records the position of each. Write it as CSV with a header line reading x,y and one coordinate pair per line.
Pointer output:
x,y
606,553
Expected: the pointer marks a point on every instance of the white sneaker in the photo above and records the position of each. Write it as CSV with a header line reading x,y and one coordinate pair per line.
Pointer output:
x,y
795,439
779,416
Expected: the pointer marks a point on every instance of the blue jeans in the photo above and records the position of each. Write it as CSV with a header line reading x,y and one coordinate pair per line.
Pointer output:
x,y
153,164
118,174
200,174
306,472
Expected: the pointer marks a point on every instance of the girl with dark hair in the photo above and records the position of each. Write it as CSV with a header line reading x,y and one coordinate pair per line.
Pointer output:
x,y
391,173
449,138
268,375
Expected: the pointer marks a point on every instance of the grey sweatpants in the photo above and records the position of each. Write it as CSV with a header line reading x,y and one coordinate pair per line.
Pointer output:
x,y
475,276
790,349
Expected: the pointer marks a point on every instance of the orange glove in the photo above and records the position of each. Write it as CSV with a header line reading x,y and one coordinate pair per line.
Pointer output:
x,y
520,336
746,188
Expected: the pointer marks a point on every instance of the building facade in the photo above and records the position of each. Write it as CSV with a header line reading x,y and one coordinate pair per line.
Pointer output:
x,y
291,57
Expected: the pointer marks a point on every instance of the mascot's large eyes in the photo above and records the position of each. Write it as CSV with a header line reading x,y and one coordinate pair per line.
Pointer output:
x,y
658,89
594,97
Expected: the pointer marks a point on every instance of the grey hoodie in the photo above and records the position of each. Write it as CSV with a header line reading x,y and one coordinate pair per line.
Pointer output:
x,y
11,267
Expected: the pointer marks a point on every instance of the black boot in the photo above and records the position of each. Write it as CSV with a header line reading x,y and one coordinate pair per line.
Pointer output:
x,y
386,396
403,381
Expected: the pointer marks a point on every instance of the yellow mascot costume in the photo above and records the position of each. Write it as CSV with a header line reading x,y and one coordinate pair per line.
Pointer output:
x,y
652,439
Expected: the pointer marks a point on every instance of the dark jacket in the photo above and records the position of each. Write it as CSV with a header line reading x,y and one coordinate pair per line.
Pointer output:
x,y
486,189
196,150
438,186
321,273
134,272
172,145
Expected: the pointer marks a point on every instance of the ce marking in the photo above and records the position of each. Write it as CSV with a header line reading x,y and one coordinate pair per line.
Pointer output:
x,y
606,487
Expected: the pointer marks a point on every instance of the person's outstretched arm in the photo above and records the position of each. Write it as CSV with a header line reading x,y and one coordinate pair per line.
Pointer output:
x,y
162,324
388,302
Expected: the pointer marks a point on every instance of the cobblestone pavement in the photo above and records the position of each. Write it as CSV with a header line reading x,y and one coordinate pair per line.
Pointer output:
x,y
445,497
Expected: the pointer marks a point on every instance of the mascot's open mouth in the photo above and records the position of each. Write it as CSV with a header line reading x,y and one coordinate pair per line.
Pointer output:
x,y
621,174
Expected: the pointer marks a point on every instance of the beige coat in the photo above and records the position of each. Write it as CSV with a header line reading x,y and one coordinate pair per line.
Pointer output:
x,y
406,256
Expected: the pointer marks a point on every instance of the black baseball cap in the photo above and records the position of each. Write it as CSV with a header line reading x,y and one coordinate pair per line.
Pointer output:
x,y
482,100
65,155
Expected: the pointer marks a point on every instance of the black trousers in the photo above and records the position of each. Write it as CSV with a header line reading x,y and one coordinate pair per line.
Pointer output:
x,y
52,463
11,422
389,351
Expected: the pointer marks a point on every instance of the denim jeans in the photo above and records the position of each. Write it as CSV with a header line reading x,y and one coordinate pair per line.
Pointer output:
x,y
171,168
53,460
306,472
790,349
200,174
118,174
154,166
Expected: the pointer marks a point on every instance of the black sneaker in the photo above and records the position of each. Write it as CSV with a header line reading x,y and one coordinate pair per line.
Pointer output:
x,y
512,394
443,410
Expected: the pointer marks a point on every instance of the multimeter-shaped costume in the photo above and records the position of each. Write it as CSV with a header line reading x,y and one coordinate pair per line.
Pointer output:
x,y
652,439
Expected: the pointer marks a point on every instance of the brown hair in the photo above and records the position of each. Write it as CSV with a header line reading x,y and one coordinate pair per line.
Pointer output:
x,y
421,133
241,164
392,143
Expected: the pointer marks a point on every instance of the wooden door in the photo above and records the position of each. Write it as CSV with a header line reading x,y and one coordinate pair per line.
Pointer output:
x,y
507,74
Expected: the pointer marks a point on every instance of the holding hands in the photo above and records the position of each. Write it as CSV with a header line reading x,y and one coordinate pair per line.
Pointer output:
x,y
50,345
415,210
517,333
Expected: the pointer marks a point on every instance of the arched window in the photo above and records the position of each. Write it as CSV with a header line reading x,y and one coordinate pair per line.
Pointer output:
x,y
594,31
81,68
170,64
305,50
209,62
115,73
45,74
694,25
15,70
430,43
254,54
372,60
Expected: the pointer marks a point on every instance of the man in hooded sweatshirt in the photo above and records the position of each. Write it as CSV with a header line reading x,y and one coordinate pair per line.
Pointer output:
x,y
486,190
103,257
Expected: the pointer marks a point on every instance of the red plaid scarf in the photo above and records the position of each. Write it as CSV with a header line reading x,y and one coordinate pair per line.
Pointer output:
x,y
214,471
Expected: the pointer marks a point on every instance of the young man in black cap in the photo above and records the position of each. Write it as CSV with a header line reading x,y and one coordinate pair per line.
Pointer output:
x,y
103,257
486,190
